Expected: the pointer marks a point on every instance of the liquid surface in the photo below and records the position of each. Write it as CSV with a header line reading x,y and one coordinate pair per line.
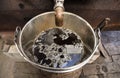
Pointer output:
x,y
58,48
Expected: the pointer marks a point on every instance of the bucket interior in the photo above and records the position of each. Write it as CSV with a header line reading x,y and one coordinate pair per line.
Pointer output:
x,y
46,21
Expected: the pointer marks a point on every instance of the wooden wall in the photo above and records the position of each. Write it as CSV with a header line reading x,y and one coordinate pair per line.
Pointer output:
x,y
17,12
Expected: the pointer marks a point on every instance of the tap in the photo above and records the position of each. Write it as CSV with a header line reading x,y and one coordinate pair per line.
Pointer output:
x,y
59,9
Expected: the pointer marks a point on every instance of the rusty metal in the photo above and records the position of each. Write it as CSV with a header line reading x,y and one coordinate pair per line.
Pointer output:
x,y
103,23
59,8
59,16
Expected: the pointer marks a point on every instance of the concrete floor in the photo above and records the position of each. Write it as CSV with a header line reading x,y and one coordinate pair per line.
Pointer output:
x,y
18,68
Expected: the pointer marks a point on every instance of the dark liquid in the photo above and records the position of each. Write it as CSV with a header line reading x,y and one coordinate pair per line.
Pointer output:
x,y
58,48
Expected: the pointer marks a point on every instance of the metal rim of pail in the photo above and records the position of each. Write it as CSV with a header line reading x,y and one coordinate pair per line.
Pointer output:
x,y
59,70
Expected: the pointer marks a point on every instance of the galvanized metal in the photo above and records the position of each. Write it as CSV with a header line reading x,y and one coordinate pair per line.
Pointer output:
x,y
46,20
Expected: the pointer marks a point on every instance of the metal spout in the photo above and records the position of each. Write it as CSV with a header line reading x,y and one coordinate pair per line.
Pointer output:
x,y
59,12
59,16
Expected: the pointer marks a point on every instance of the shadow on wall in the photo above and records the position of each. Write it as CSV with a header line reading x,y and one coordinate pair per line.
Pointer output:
x,y
82,2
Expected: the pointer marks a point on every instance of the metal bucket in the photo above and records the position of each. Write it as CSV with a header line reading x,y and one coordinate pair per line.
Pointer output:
x,y
24,38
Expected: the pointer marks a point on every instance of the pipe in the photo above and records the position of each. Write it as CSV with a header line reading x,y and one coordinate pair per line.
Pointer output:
x,y
59,9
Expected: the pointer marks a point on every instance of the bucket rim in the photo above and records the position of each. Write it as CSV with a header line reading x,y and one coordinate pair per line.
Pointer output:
x,y
58,70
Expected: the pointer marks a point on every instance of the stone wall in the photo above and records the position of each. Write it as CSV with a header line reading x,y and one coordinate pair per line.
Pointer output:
x,y
19,68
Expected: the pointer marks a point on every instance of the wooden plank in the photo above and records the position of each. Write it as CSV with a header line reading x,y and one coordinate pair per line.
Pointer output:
x,y
10,19
49,4
18,12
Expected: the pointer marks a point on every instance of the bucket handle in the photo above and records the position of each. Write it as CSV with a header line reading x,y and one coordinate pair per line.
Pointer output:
x,y
103,51
16,40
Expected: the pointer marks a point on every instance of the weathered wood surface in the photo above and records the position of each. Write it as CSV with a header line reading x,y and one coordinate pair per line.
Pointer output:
x,y
18,12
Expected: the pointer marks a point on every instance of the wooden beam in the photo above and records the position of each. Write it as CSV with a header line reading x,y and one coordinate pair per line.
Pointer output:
x,y
10,19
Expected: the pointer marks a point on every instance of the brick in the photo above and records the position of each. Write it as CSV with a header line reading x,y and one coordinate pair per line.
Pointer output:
x,y
26,75
25,67
22,75
114,75
92,76
96,70
100,76
6,67
1,45
104,69
111,40
82,75
113,48
35,76
110,36
116,58
113,67
14,53
99,60
93,69
6,48
90,69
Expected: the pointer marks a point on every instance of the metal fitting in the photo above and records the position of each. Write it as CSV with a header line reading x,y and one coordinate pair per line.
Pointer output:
x,y
59,3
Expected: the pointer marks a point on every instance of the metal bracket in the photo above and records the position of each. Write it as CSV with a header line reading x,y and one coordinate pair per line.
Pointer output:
x,y
16,40
58,3
101,47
